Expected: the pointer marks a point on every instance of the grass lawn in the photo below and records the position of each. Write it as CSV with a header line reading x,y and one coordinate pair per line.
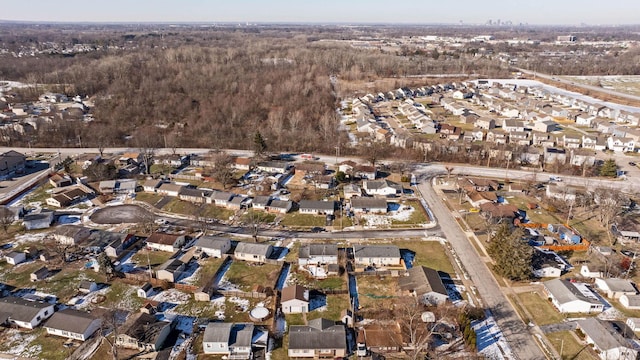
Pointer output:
x,y
294,319
51,346
538,215
39,194
208,268
36,344
122,296
246,276
181,207
303,220
214,212
261,217
160,169
231,314
541,310
428,253
203,309
65,283
20,275
565,341
334,283
376,292
149,198
335,305
418,216
146,257
281,349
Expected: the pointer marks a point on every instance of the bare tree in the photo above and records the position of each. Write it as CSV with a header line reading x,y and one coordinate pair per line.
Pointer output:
x,y
7,217
223,169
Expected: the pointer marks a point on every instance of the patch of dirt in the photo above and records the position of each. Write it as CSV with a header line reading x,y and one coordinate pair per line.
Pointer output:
x,y
121,214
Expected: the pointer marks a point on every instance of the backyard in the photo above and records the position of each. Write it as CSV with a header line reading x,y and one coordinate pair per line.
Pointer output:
x,y
246,275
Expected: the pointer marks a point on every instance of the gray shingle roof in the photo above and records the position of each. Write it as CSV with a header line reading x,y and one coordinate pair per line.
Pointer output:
x,y
21,309
234,334
71,320
564,292
319,334
254,249
309,250
376,251
602,333
422,280
212,242
368,203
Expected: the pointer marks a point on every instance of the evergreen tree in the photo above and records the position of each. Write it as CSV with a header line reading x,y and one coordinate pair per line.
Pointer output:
x,y
511,254
259,145
609,168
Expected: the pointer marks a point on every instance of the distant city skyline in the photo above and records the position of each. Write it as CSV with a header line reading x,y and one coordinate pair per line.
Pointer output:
x,y
542,12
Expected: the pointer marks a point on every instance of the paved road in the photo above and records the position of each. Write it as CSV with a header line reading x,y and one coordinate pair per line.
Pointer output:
x,y
515,331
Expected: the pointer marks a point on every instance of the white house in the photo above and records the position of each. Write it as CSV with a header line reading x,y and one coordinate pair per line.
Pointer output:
x,y
252,252
381,187
607,342
614,287
620,144
87,286
71,234
631,302
425,284
295,300
145,291
169,189
213,246
570,297
231,339
151,185
377,255
15,257
633,324
314,254
165,242
591,272
23,313
73,324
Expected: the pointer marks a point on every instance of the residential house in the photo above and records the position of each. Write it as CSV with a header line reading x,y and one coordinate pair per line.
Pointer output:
x,y
615,288
145,290
143,332
40,274
279,167
569,297
381,187
631,302
242,163
555,156
477,135
632,118
585,120
294,300
238,202
317,207
112,243
498,213
510,125
73,324
23,313
71,234
252,252
165,242
582,157
621,144
151,185
476,198
545,126
558,112
591,271
531,156
469,118
58,181
233,340
379,338
280,206
547,265
15,257
520,138
351,190
321,338
478,184
222,198
69,196
169,189
571,141
425,284
213,246
365,172
124,186
589,142
170,270
12,163
633,323
196,196
607,342
485,123
318,254
377,255
497,136
362,205
260,202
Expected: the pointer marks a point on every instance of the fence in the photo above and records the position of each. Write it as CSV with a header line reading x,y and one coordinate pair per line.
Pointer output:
x,y
186,288
243,294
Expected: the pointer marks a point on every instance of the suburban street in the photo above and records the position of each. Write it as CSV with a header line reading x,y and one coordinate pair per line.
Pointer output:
x,y
516,332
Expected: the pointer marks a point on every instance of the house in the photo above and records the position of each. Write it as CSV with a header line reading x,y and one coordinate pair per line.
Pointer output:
x,y
260,202
476,198
58,181
165,242
169,189
295,300
366,205
582,157
280,206
213,246
252,252
222,198
633,323
545,126
365,172
478,184
170,270
317,254
590,271
151,185
23,313
569,297
15,257
12,163
377,255
233,340
485,123
351,190
112,243
242,163
143,332
379,338
69,196
196,196
620,144
381,187
546,265
585,120
571,141
607,342
73,324
631,302
425,284
124,186
71,234
317,207
40,274
321,338
87,286
279,167
615,288
561,192
555,156
511,125
145,291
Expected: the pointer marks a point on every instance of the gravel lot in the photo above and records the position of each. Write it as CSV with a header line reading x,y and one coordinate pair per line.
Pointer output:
x,y
120,214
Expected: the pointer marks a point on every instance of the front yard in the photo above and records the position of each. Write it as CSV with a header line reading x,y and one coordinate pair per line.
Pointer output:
x,y
428,253
296,219
541,310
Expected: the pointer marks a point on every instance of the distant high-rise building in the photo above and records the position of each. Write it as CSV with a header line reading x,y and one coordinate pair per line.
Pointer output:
x,y
566,38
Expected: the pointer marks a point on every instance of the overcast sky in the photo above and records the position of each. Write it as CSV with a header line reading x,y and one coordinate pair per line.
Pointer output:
x,y
570,12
